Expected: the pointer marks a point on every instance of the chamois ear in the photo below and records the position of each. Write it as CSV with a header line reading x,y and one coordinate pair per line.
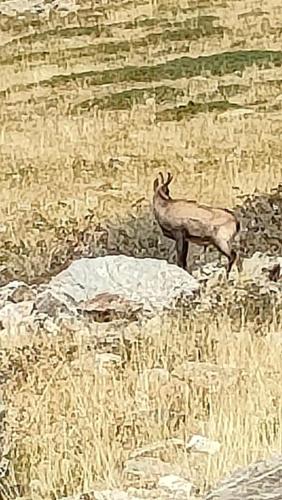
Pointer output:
x,y
156,184
162,177
169,179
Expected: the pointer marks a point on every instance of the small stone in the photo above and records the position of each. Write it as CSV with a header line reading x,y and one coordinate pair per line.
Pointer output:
x,y
202,444
50,303
100,495
22,293
12,314
50,326
8,290
111,495
107,359
105,306
175,484
101,362
4,466
207,375
149,468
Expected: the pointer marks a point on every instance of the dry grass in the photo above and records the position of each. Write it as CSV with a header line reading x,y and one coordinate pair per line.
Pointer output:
x,y
74,426
57,135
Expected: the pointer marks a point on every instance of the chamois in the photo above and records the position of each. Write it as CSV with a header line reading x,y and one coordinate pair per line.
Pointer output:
x,y
187,221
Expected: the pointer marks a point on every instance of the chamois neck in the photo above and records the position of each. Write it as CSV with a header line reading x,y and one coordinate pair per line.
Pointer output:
x,y
161,201
158,204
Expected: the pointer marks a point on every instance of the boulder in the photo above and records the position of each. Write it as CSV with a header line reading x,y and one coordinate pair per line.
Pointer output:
x,y
261,480
123,283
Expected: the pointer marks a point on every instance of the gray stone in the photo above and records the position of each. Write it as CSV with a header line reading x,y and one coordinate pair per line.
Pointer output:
x,y
175,484
52,304
151,468
13,314
261,480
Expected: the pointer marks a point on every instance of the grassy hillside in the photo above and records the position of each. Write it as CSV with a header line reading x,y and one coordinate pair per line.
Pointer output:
x,y
92,106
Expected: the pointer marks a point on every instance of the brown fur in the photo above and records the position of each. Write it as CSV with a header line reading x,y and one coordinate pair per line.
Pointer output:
x,y
187,221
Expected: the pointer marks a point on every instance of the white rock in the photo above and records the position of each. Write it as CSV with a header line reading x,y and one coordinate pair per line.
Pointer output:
x,y
106,358
175,484
275,338
52,304
7,289
152,282
111,495
100,495
235,113
202,444
50,326
12,314
156,446
254,265
150,467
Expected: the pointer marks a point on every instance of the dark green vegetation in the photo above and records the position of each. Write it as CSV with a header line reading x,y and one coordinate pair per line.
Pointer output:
x,y
182,67
168,31
181,112
127,52
162,95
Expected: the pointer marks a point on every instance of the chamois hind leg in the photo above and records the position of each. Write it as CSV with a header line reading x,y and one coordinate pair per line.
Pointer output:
x,y
182,247
224,248
205,253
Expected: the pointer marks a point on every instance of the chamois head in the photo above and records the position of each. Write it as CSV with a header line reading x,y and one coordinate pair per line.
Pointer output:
x,y
162,187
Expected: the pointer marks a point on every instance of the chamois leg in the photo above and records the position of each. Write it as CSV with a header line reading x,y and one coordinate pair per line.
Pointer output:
x,y
224,248
205,253
182,247
232,260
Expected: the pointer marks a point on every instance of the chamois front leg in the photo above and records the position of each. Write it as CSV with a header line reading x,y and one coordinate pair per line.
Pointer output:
x,y
182,247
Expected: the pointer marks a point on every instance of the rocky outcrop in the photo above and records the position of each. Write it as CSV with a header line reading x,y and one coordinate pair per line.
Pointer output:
x,y
261,480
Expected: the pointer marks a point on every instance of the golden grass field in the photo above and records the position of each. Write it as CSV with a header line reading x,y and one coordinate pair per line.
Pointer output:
x,y
194,87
